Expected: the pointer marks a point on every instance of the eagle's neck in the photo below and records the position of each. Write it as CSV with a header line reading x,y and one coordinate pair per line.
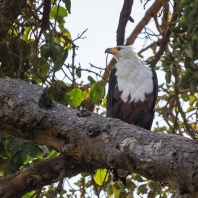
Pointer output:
x,y
134,79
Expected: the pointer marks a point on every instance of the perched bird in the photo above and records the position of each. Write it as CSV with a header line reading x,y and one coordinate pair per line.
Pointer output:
x,y
132,93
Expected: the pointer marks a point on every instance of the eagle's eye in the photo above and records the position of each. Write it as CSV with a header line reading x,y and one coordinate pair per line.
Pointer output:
x,y
119,48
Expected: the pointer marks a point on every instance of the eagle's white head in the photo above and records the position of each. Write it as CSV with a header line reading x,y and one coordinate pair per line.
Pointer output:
x,y
134,79
123,52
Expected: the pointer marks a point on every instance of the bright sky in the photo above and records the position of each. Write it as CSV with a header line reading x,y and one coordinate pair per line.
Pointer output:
x,y
101,18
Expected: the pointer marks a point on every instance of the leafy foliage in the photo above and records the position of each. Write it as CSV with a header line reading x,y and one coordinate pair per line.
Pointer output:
x,y
180,65
97,92
30,53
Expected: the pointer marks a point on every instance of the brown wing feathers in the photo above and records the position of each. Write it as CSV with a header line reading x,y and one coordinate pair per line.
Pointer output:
x,y
140,113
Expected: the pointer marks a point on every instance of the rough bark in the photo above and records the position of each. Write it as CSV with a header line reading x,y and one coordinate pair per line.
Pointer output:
x,y
124,18
40,174
26,112
9,11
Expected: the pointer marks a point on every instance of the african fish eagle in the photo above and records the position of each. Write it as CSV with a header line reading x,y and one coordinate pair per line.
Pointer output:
x,y
133,90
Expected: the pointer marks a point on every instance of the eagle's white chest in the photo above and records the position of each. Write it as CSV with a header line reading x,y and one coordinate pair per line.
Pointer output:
x,y
134,80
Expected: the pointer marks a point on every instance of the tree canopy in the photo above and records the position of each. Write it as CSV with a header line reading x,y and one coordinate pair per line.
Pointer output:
x,y
52,129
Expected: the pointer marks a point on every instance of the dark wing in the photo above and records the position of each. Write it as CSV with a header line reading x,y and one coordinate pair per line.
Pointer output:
x,y
140,113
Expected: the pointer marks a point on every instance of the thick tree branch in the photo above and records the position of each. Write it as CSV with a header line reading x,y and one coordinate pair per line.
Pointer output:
x,y
26,112
9,11
124,18
40,174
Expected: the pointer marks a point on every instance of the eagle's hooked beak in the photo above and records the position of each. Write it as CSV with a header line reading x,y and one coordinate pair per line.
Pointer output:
x,y
108,50
113,50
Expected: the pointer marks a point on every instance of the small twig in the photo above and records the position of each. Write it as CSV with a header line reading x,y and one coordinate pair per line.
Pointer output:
x,y
57,15
87,70
157,24
66,74
97,67
58,189
68,67
70,185
149,46
131,19
145,4
80,36
73,67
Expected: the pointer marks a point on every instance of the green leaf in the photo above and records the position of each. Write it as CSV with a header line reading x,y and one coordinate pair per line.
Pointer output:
x,y
193,85
138,178
130,184
78,71
59,63
101,176
191,108
9,169
91,80
85,94
52,154
118,190
151,194
109,190
58,13
85,174
142,189
57,51
16,160
176,45
188,50
14,144
193,98
57,92
26,34
68,5
75,97
26,158
5,154
183,19
29,195
32,149
49,37
184,2
42,67
58,10
185,96
46,50
97,92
